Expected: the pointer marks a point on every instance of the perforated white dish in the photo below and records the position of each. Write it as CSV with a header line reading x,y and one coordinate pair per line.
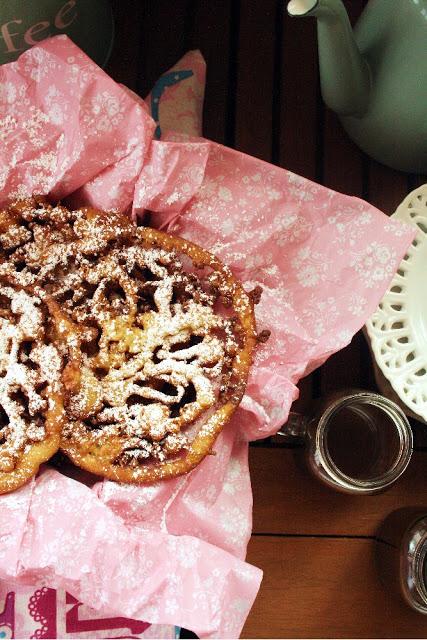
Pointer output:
x,y
398,328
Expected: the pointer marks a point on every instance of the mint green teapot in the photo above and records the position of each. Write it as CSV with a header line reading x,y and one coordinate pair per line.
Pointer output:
x,y
375,79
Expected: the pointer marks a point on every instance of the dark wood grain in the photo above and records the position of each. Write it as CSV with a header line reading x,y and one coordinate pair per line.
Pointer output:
x,y
300,134
163,39
288,500
343,164
325,588
255,90
299,142
210,31
344,169
416,180
387,187
123,65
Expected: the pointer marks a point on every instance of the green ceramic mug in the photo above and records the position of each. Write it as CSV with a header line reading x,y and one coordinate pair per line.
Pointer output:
x,y
24,23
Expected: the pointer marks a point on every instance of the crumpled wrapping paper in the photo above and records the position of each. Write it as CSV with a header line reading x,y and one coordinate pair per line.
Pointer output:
x,y
173,553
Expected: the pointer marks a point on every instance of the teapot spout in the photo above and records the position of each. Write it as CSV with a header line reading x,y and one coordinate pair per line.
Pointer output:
x,y
344,74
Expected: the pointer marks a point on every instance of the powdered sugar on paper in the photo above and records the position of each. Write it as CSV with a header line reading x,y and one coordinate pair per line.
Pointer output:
x,y
107,544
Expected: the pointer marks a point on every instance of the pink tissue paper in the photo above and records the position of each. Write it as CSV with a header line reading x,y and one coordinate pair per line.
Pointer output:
x,y
174,553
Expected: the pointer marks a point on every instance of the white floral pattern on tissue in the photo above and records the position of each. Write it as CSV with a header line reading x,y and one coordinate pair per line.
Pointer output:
x,y
292,228
8,92
103,111
349,229
310,267
38,64
231,480
235,524
174,553
57,107
300,188
321,258
357,304
53,100
189,554
374,264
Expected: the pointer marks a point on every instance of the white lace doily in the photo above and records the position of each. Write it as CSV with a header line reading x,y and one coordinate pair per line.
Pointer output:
x,y
398,328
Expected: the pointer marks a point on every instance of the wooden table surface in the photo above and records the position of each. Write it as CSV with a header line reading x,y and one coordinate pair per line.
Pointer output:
x,y
316,547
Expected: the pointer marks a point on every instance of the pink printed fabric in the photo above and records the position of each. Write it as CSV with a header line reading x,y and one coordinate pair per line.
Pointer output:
x,y
179,94
173,553
41,612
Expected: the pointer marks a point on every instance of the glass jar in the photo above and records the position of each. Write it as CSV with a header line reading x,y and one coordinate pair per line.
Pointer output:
x,y
401,552
356,441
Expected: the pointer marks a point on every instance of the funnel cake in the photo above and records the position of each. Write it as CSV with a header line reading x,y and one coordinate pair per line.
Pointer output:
x,y
156,332
31,408
41,244
166,365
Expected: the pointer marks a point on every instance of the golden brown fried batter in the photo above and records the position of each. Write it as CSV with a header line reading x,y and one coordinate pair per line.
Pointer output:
x,y
155,333
31,407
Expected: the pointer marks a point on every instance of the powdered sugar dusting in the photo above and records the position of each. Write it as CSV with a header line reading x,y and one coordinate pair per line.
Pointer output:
x,y
29,370
161,362
151,337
